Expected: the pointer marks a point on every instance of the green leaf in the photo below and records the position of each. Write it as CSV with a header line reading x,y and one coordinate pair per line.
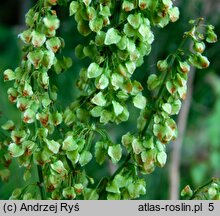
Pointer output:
x,y
79,51
115,153
100,38
100,152
69,144
167,3
87,2
56,118
127,139
16,193
28,145
176,105
114,196
94,70
199,46
211,37
146,33
139,101
51,22
161,158
9,75
38,39
74,6
96,24
129,30
140,186
136,189
171,87
26,36
122,44
91,13
53,44
83,28
174,14
153,82
68,117
199,61
112,37
102,82
48,59
18,136
127,6
144,4
117,80
96,111
9,125
134,20
99,99
118,108
106,116
105,11
113,187
78,188
29,116
184,67
44,81
53,146
120,181
59,168
167,108
162,65
91,194
35,57
148,157
160,146
69,193
123,96
149,143
85,157
187,191
81,143
163,132
73,156
131,66
131,47
182,91
124,115
15,150
136,88
137,146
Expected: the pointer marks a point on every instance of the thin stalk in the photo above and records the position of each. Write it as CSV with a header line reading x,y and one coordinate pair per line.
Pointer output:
x,y
120,168
40,172
101,187
40,183
201,187
103,183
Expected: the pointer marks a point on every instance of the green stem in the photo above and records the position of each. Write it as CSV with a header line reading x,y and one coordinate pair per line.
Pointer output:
x,y
120,168
103,183
41,182
201,187
90,138
101,188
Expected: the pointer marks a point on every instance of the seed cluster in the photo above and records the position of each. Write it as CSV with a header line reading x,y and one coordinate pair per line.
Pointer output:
x,y
62,142
117,47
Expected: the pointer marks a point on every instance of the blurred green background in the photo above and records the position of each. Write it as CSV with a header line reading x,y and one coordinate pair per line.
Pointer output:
x,y
200,151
